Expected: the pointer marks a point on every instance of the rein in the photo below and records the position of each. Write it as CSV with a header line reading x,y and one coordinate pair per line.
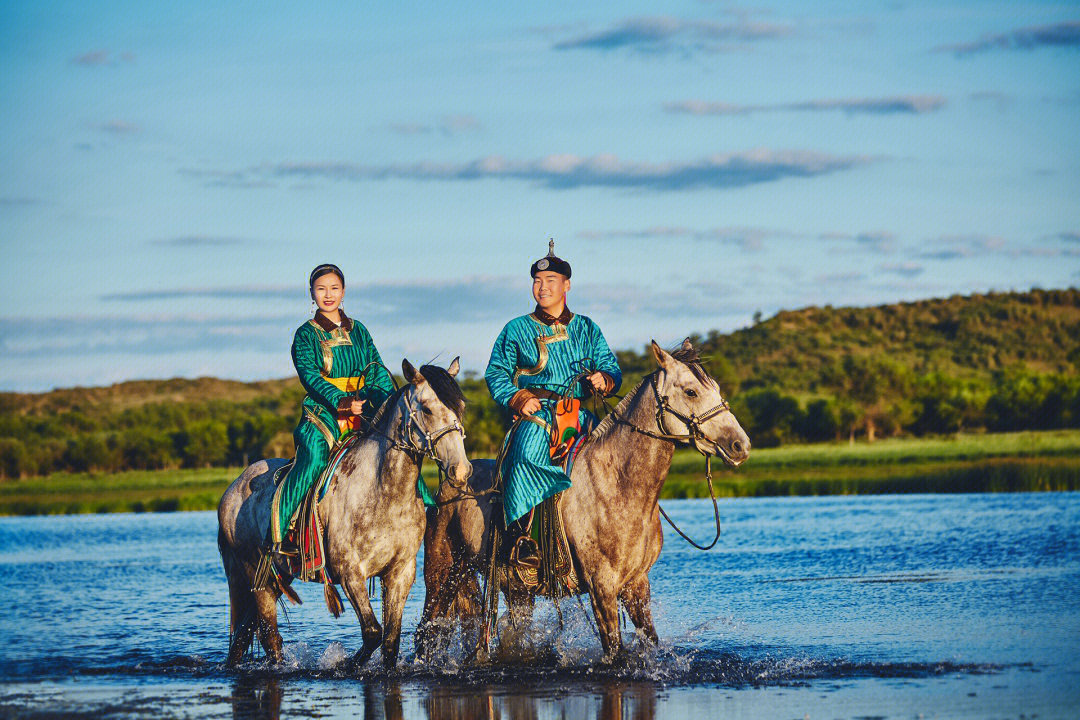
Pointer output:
x,y
694,433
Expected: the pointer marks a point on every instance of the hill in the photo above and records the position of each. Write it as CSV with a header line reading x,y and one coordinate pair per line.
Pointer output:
x,y
999,361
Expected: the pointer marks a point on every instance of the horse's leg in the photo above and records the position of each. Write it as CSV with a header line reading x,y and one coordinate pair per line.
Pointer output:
x,y
637,598
242,618
520,605
396,584
355,587
438,575
266,609
605,605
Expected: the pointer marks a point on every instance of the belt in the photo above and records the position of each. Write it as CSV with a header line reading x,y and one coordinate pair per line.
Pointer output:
x,y
346,384
543,394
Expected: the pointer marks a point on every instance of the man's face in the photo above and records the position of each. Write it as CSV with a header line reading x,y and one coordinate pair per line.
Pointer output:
x,y
549,289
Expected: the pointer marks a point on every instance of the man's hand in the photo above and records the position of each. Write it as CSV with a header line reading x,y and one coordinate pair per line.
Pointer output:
x,y
524,402
599,381
356,407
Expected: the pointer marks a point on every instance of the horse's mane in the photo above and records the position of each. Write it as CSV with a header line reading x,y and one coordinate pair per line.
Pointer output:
x,y
689,356
389,402
444,385
605,425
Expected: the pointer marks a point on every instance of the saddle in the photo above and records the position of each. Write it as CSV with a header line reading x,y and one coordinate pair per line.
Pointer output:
x,y
556,576
305,526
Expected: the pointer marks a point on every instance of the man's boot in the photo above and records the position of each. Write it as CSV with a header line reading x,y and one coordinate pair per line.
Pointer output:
x,y
526,552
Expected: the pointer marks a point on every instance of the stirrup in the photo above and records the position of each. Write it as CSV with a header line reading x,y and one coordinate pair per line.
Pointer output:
x,y
286,548
526,553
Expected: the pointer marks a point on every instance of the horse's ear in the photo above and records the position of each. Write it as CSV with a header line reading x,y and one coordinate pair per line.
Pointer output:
x,y
454,367
687,345
662,356
410,373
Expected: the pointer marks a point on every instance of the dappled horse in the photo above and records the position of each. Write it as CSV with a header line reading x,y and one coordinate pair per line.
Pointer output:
x,y
372,516
610,513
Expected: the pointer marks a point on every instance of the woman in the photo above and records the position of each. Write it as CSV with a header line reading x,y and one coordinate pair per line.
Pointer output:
x,y
346,383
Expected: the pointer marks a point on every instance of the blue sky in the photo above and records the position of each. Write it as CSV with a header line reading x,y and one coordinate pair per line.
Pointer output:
x,y
171,174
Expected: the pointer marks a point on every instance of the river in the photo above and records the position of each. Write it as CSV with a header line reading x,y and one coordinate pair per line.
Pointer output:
x,y
912,606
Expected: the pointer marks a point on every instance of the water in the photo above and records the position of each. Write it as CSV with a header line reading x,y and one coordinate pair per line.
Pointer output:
x,y
838,607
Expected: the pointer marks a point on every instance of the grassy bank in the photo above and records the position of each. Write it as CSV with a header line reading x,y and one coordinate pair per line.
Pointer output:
x,y
1000,462
1007,462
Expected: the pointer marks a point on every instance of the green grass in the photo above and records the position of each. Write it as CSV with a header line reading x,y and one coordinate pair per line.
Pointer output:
x,y
1008,462
1003,462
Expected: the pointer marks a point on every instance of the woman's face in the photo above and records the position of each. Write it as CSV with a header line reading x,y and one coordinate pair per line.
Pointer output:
x,y
328,292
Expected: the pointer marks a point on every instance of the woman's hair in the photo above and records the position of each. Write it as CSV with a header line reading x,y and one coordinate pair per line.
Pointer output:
x,y
324,269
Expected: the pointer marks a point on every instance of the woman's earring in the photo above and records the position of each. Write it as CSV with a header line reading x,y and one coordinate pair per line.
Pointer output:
x,y
312,307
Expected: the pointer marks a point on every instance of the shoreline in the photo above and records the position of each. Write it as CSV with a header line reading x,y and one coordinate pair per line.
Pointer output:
x,y
1035,461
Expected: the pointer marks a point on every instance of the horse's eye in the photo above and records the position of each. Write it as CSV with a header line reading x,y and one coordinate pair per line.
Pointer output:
x,y
691,393
427,411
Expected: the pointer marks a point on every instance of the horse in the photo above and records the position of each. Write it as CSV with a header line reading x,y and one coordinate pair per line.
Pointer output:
x,y
610,512
372,516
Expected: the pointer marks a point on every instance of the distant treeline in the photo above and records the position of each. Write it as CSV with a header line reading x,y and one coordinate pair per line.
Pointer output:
x,y
997,362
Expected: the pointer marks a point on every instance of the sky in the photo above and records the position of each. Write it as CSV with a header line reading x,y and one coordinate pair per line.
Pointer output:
x,y
173,171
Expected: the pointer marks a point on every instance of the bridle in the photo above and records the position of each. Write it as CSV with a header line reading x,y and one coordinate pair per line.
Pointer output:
x,y
694,433
431,439
404,439
693,422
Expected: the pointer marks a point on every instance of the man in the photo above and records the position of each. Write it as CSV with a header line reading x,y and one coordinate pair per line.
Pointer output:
x,y
533,362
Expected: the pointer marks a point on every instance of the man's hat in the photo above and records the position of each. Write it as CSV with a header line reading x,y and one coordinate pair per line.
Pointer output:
x,y
551,263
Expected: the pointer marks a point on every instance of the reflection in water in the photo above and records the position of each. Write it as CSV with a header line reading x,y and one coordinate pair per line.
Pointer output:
x,y
256,698
385,698
612,701
260,698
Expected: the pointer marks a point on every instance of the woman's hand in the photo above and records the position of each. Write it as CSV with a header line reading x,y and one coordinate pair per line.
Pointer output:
x,y
356,407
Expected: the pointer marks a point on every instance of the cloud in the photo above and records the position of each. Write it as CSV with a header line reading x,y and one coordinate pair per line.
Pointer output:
x,y
484,301
94,57
144,334
839,277
955,247
238,293
662,34
226,178
465,299
453,124
1062,34
881,241
749,238
17,201
448,125
1001,101
481,298
201,241
914,104
100,58
119,127
904,269
563,171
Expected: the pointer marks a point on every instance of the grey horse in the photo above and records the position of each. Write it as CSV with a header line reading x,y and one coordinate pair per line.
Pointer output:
x,y
610,512
372,516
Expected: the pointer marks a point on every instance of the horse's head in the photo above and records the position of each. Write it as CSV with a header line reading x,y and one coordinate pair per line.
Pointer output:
x,y
689,404
436,407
